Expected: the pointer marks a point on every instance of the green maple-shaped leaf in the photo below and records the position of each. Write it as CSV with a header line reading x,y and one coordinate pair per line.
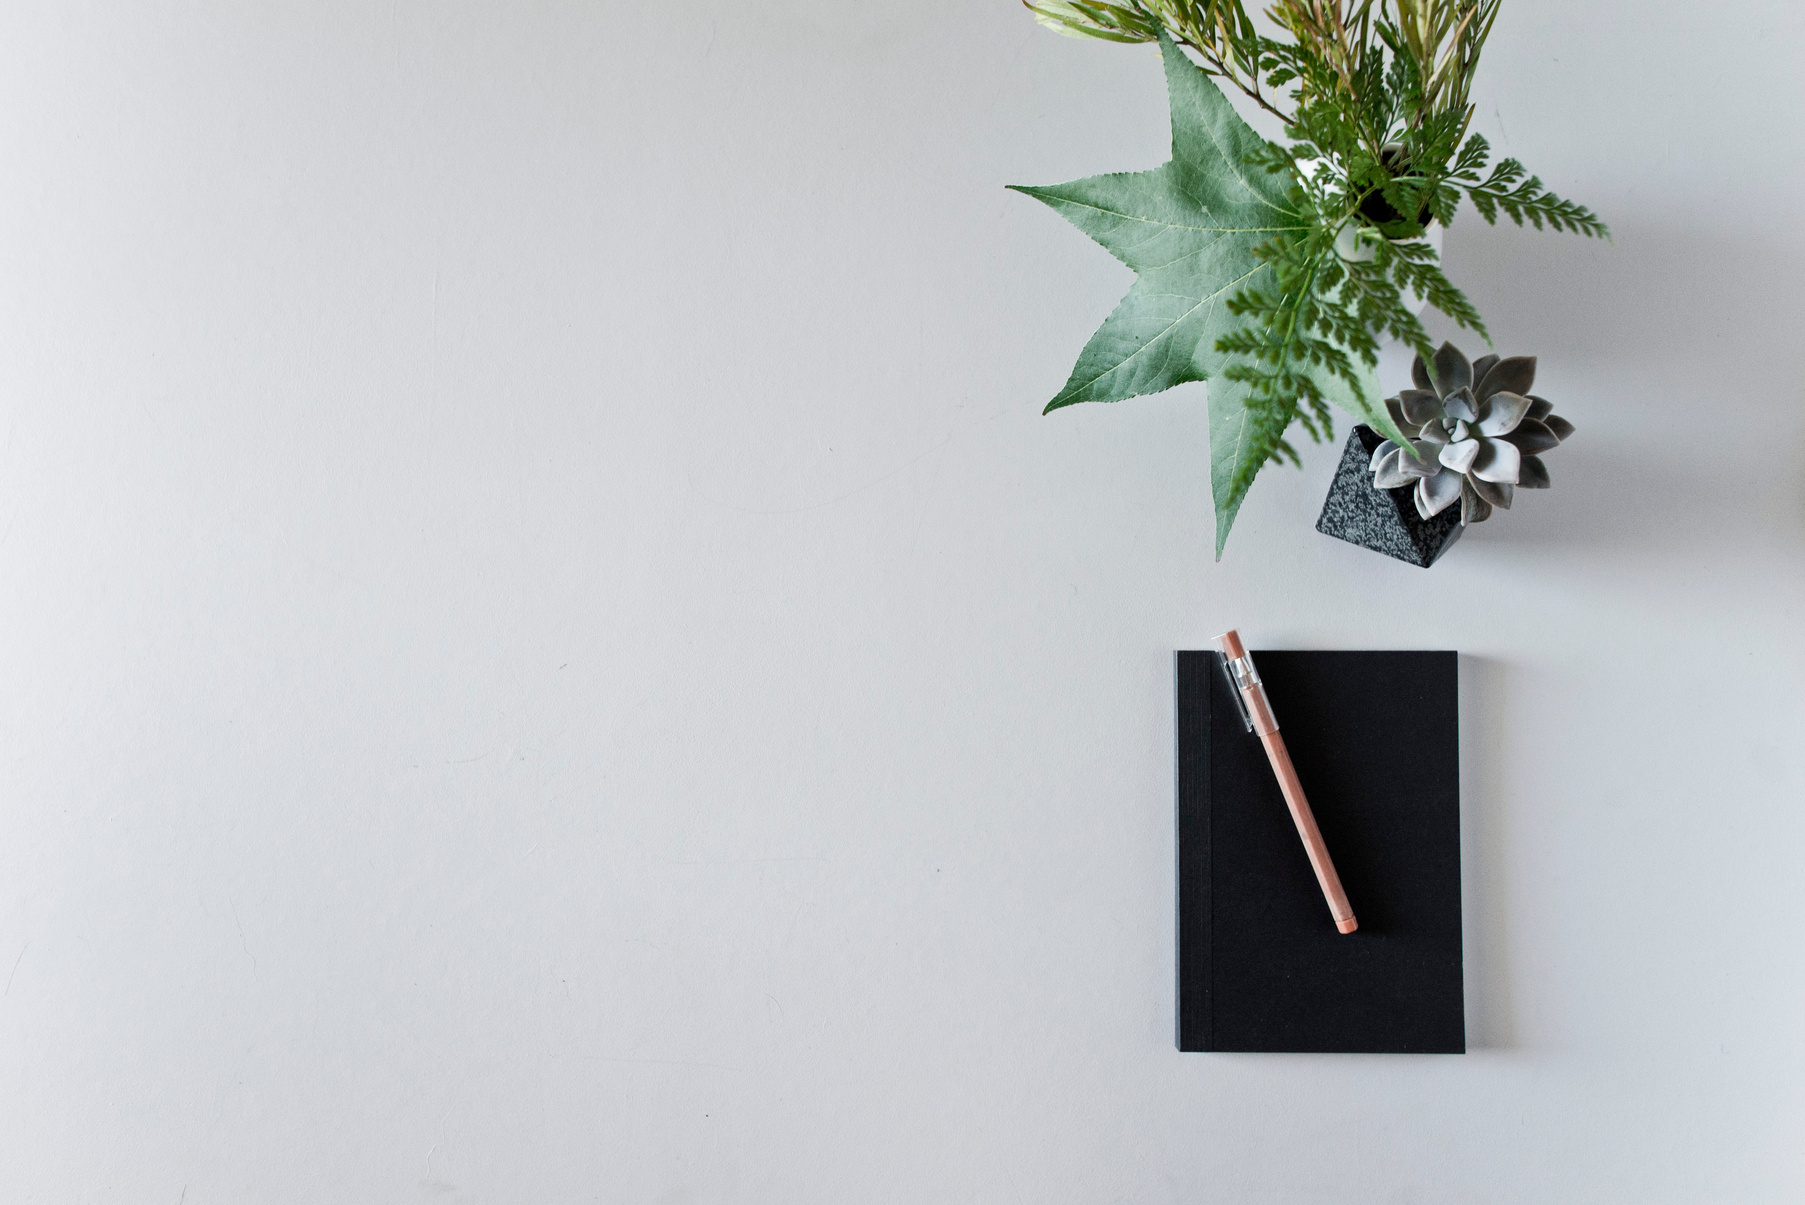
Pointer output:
x,y
1188,228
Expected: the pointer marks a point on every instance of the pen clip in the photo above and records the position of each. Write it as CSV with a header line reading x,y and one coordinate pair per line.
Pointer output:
x,y
1238,668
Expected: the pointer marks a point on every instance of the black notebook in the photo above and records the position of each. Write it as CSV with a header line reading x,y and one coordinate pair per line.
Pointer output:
x,y
1375,738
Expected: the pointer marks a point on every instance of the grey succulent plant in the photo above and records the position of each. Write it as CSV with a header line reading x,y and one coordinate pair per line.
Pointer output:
x,y
1476,434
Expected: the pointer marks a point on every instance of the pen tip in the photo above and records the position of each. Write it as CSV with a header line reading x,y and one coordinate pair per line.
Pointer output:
x,y
1348,925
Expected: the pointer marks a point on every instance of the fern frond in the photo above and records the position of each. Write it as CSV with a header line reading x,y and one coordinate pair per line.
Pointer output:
x,y
1528,201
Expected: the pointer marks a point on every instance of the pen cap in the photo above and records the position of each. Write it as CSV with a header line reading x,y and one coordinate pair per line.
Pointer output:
x,y
1249,694
1234,686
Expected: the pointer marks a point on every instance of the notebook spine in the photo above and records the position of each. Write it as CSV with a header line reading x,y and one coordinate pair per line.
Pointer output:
x,y
1196,694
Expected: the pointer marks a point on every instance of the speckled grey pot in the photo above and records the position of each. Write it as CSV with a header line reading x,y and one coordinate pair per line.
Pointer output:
x,y
1382,520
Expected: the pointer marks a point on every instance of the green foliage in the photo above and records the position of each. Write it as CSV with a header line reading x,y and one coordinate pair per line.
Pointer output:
x,y
1203,233
1273,271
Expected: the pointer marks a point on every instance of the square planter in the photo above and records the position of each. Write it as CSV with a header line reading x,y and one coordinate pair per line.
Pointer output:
x,y
1382,520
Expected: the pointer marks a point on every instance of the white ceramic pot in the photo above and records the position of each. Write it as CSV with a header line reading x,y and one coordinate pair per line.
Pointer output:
x,y
1355,244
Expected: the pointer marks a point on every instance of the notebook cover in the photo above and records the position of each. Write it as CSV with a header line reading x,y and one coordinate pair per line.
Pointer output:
x,y
1375,738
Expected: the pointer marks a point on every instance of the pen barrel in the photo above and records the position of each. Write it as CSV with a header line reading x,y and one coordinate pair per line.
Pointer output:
x,y
1305,819
1259,713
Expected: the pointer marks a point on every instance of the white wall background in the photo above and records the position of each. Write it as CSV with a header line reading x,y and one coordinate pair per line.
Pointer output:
x,y
550,656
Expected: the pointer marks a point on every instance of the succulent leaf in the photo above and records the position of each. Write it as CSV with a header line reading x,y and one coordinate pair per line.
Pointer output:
x,y
1560,426
1534,474
1498,493
1473,508
1419,376
1389,474
1419,406
1482,366
1460,456
1436,494
1450,371
1515,375
1540,407
1532,437
1459,404
1421,459
1498,462
1503,413
1396,409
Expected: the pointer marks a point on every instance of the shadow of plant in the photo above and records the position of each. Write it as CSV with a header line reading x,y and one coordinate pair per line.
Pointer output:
x,y
1674,353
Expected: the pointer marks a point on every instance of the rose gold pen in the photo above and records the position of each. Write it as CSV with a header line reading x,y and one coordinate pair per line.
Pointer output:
x,y
1258,714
